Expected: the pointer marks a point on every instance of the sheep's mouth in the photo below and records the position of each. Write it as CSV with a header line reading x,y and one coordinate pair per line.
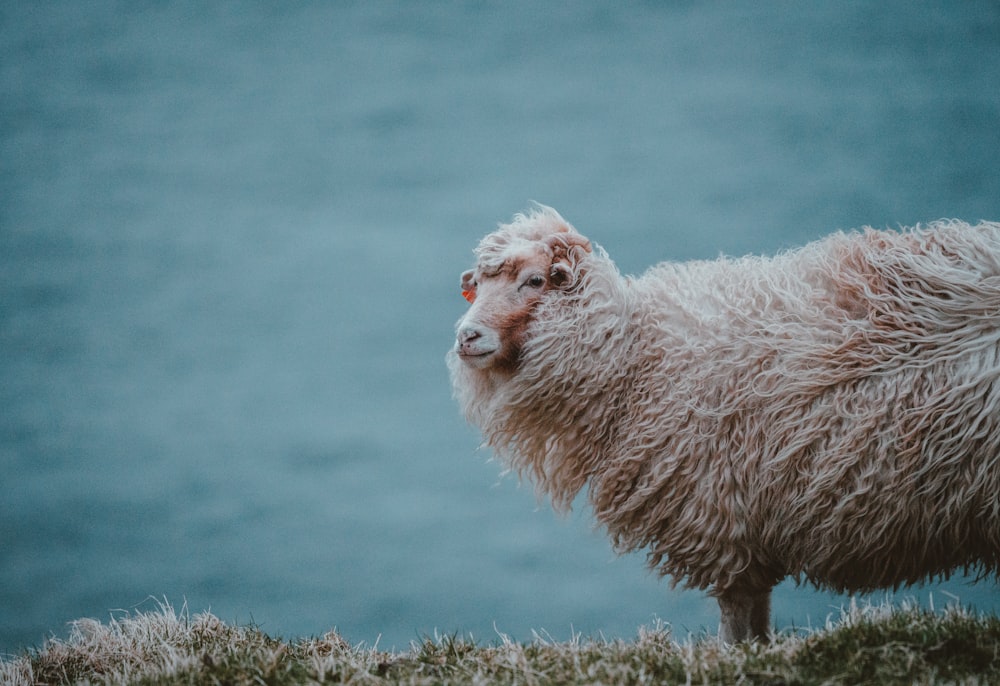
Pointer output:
x,y
476,358
475,354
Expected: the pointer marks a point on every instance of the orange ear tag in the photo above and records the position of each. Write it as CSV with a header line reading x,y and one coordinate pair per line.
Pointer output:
x,y
469,295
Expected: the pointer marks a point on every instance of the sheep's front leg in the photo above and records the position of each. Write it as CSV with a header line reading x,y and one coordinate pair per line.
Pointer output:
x,y
745,615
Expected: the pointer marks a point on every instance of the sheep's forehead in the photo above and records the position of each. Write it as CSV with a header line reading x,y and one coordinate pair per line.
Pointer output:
x,y
511,259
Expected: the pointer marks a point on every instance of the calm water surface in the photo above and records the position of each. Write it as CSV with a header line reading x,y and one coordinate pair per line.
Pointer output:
x,y
230,240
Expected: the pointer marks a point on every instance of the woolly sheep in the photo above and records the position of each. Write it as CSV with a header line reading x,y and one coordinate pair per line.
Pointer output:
x,y
831,413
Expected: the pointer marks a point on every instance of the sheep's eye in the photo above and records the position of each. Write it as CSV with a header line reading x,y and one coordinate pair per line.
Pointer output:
x,y
535,281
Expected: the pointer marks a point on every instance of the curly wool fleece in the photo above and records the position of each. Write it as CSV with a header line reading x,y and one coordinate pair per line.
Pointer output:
x,y
831,413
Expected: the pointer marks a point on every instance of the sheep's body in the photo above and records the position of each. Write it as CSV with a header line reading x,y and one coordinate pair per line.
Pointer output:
x,y
832,413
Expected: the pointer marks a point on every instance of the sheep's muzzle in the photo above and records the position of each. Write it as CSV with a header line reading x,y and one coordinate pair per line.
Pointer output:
x,y
476,344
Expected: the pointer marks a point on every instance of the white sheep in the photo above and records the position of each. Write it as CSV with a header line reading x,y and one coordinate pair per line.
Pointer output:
x,y
831,413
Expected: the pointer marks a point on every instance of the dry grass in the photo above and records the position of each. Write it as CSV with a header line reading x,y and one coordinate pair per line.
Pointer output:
x,y
873,644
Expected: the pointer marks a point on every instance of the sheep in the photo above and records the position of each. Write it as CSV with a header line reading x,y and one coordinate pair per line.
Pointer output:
x,y
830,413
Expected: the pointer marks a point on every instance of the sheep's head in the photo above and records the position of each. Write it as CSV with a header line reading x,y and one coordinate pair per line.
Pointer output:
x,y
518,265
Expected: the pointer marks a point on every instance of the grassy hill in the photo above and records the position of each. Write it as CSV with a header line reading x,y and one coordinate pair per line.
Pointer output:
x,y
870,645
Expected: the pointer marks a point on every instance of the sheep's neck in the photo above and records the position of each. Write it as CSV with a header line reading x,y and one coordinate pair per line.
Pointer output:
x,y
563,409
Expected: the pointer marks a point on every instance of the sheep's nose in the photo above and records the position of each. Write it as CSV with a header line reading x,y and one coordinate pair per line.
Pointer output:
x,y
476,343
469,340
468,334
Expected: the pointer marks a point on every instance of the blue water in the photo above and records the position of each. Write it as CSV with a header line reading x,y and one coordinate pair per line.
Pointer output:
x,y
230,240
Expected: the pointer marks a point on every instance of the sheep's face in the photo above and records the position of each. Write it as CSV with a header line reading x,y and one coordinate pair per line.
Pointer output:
x,y
504,291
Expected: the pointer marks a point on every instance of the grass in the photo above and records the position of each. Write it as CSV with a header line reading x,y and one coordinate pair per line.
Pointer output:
x,y
866,645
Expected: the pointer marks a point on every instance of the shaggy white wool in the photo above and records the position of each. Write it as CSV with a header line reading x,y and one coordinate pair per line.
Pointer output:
x,y
830,413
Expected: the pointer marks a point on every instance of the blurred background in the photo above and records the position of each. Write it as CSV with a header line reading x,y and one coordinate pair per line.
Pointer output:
x,y
230,241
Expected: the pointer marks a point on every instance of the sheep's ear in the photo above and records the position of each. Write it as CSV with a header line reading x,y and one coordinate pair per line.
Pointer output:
x,y
469,285
568,246
560,275
567,251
